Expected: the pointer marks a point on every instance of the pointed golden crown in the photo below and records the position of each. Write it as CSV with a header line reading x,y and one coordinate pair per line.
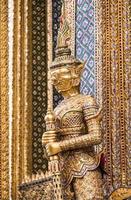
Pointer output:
x,y
63,52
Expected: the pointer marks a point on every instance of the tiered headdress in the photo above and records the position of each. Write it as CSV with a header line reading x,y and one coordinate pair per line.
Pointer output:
x,y
63,55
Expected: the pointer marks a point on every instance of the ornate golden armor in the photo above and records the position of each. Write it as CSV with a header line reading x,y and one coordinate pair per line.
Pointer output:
x,y
77,124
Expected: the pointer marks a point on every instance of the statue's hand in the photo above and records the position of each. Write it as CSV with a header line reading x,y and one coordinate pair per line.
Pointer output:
x,y
48,137
53,148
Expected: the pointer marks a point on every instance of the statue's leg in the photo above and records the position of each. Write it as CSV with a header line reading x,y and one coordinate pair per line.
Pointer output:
x,y
89,187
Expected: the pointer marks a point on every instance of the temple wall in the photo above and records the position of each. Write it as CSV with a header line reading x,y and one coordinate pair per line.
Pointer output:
x,y
100,32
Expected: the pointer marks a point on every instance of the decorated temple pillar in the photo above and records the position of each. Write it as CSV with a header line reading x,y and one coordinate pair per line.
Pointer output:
x,y
115,92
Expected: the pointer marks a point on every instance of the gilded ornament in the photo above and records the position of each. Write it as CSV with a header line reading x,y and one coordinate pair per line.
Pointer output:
x,y
4,110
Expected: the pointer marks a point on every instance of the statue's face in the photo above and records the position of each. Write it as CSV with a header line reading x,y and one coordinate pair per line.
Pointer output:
x,y
62,79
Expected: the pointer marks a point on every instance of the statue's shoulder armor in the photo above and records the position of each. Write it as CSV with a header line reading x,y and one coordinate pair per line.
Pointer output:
x,y
88,100
77,103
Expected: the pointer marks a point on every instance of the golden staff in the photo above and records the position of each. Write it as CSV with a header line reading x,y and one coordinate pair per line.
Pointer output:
x,y
50,118
53,160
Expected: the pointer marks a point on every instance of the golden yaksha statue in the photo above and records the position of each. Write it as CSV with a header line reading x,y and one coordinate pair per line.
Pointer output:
x,y
77,121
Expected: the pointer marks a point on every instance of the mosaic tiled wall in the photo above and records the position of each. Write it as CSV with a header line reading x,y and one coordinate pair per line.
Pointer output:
x,y
39,82
85,43
39,76
57,4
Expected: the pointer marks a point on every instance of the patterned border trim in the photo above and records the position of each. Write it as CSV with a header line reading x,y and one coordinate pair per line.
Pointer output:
x,y
127,56
121,76
107,86
98,56
21,144
98,50
4,131
115,93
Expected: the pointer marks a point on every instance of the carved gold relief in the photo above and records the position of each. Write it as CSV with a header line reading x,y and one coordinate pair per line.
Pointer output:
x,y
107,86
4,131
21,144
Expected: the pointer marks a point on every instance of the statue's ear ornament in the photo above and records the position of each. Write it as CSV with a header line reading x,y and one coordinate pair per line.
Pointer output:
x,y
79,69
